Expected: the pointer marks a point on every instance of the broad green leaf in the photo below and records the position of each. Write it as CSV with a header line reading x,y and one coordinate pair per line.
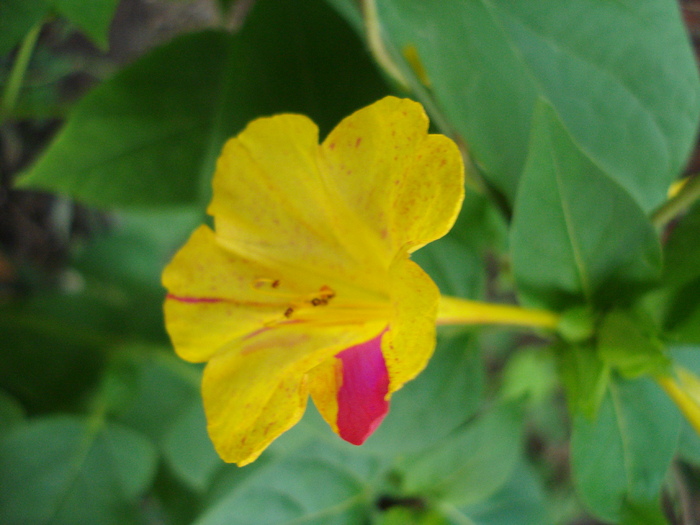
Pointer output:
x,y
166,389
67,469
620,75
52,348
302,488
520,501
649,514
585,376
151,134
627,344
11,412
620,459
188,449
453,381
93,17
16,19
470,465
576,236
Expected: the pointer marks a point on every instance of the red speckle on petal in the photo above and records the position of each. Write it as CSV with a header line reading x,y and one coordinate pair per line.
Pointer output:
x,y
331,145
358,142
193,299
362,402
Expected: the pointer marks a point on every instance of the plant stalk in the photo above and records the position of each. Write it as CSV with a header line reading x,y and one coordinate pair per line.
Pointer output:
x,y
456,311
687,195
19,69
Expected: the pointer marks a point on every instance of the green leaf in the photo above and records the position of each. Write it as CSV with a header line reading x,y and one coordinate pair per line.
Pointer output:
x,y
93,17
302,488
682,250
620,75
585,376
67,469
52,349
166,389
453,381
16,19
626,344
151,134
681,280
649,514
11,413
520,501
188,449
530,374
470,465
576,235
681,321
620,459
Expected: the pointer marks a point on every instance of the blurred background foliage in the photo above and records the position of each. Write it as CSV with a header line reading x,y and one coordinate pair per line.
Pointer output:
x,y
113,114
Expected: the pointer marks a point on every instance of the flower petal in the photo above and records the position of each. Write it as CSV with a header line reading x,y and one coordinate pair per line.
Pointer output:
x,y
255,389
410,341
362,397
403,183
271,204
350,390
212,297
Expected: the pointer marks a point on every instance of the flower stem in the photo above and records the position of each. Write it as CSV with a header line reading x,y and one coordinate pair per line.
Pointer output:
x,y
689,193
455,311
14,82
680,397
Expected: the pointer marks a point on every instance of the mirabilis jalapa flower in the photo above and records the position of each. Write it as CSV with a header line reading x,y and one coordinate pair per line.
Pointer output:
x,y
305,286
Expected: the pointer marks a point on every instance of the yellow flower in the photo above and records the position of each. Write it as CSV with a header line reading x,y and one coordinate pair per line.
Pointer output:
x,y
306,286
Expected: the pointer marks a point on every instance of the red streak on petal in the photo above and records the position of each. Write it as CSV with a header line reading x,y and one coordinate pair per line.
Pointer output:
x,y
193,299
362,402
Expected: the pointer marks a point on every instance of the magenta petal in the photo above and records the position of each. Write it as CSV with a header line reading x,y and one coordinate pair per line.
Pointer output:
x,y
362,402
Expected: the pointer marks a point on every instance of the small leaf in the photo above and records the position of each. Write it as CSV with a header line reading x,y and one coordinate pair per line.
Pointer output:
x,y
682,250
92,17
627,345
470,465
585,376
562,253
530,374
621,458
66,469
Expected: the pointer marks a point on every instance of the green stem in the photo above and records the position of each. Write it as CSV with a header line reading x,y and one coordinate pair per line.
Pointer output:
x,y
688,194
19,69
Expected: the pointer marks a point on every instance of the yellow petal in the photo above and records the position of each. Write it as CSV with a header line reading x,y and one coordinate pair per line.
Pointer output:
x,y
406,185
212,297
255,389
410,341
271,204
324,382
